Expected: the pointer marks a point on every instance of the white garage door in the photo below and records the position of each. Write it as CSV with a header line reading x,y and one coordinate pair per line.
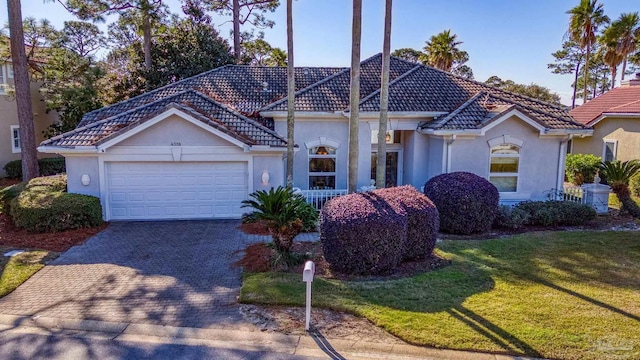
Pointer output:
x,y
165,190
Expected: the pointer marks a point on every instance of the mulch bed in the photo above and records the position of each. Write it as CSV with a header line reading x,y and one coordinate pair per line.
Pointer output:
x,y
257,258
11,236
256,228
4,182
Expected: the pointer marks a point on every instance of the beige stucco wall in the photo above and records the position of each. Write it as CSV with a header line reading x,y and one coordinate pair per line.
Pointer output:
x,y
539,158
9,116
625,130
174,130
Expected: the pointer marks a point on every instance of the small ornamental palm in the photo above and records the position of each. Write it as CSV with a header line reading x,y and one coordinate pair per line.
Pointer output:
x,y
618,175
279,209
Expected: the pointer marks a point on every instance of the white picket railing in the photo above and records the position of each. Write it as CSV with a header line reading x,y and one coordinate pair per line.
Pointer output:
x,y
573,194
318,198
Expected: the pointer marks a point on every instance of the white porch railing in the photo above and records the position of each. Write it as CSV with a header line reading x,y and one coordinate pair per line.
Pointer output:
x,y
318,198
573,194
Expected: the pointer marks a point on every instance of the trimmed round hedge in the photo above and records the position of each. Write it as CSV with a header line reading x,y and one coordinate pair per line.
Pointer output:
x,y
466,202
372,232
44,206
422,217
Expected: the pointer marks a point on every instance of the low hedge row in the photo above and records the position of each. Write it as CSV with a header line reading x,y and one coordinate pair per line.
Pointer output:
x,y
372,232
48,166
43,205
544,213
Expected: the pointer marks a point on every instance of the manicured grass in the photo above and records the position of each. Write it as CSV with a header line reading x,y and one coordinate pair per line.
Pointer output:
x,y
17,269
568,295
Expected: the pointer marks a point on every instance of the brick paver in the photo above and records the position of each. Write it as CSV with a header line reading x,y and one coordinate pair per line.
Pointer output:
x,y
166,273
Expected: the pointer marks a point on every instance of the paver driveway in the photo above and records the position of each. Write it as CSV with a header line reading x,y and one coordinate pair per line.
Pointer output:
x,y
167,273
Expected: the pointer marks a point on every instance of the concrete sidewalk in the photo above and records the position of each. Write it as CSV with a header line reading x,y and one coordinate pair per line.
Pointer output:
x,y
242,342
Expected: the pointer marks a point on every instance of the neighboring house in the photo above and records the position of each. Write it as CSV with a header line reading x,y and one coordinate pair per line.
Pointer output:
x,y
615,119
10,144
196,148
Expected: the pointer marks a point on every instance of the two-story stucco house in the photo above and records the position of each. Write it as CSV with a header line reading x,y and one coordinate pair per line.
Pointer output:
x,y
615,119
10,144
198,147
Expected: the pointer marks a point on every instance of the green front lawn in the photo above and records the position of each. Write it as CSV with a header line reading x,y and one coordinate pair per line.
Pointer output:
x,y
17,269
568,295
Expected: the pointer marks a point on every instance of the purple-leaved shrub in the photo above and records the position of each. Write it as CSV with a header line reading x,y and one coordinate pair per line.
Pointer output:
x,y
372,232
467,203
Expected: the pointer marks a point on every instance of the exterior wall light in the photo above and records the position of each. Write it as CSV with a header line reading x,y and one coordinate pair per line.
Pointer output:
x,y
85,180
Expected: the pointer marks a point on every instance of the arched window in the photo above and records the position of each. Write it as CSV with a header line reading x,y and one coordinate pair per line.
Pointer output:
x,y
322,167
505,166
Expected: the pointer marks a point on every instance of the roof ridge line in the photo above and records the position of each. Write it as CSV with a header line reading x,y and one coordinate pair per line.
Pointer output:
x,y
568,119
158,89
101,121
459,109
622,105
318,83
410,71
238,114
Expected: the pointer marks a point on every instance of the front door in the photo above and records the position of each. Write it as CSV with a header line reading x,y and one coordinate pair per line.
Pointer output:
x,y
392,176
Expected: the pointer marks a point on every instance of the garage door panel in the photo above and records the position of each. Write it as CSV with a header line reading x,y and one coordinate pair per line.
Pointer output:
x,y
176,190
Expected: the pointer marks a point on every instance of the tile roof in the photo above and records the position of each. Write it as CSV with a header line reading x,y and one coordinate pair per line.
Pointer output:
x,y
332,93
230,98
195,103
243,88
623,99
426,89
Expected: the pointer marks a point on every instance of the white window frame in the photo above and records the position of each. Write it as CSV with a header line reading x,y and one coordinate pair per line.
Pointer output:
x,y
3,81
14,149
9,67
604,148
506,140
333,156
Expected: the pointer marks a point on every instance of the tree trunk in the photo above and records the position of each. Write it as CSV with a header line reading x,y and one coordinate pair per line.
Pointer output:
x,y
586,73
146,37
575,86
291,85
624,195
354,111
614,72
23,92
624,67
381,161
236,30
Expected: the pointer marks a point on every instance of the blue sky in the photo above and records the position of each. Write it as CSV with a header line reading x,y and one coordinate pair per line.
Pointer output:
x,y
511,39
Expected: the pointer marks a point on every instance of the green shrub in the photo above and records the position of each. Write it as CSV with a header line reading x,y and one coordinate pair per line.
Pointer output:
x,y
511,217
48,166
44,206
13,169
556,213
52,166
9,193
309,216
581,168
634,185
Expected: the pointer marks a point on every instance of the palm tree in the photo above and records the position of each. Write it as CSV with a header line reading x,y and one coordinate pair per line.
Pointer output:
x,y
291,85
23,92
354,98
442,50
628,26
618,175
381,160
610,41
584,21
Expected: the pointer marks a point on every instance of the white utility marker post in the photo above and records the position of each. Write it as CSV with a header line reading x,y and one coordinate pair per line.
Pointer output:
x,y
307,276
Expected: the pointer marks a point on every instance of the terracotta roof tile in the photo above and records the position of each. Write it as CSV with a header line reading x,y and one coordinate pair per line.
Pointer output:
x,y
621,99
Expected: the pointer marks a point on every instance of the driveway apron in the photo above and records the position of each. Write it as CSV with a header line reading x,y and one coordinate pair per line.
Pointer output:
x,y
176,273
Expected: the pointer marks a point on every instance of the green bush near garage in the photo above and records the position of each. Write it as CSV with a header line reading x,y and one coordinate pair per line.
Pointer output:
x,y
48,166
45,206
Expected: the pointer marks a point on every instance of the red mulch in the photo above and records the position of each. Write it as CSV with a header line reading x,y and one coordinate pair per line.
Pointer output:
x,y
4,182
257,259
58,242
255,228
